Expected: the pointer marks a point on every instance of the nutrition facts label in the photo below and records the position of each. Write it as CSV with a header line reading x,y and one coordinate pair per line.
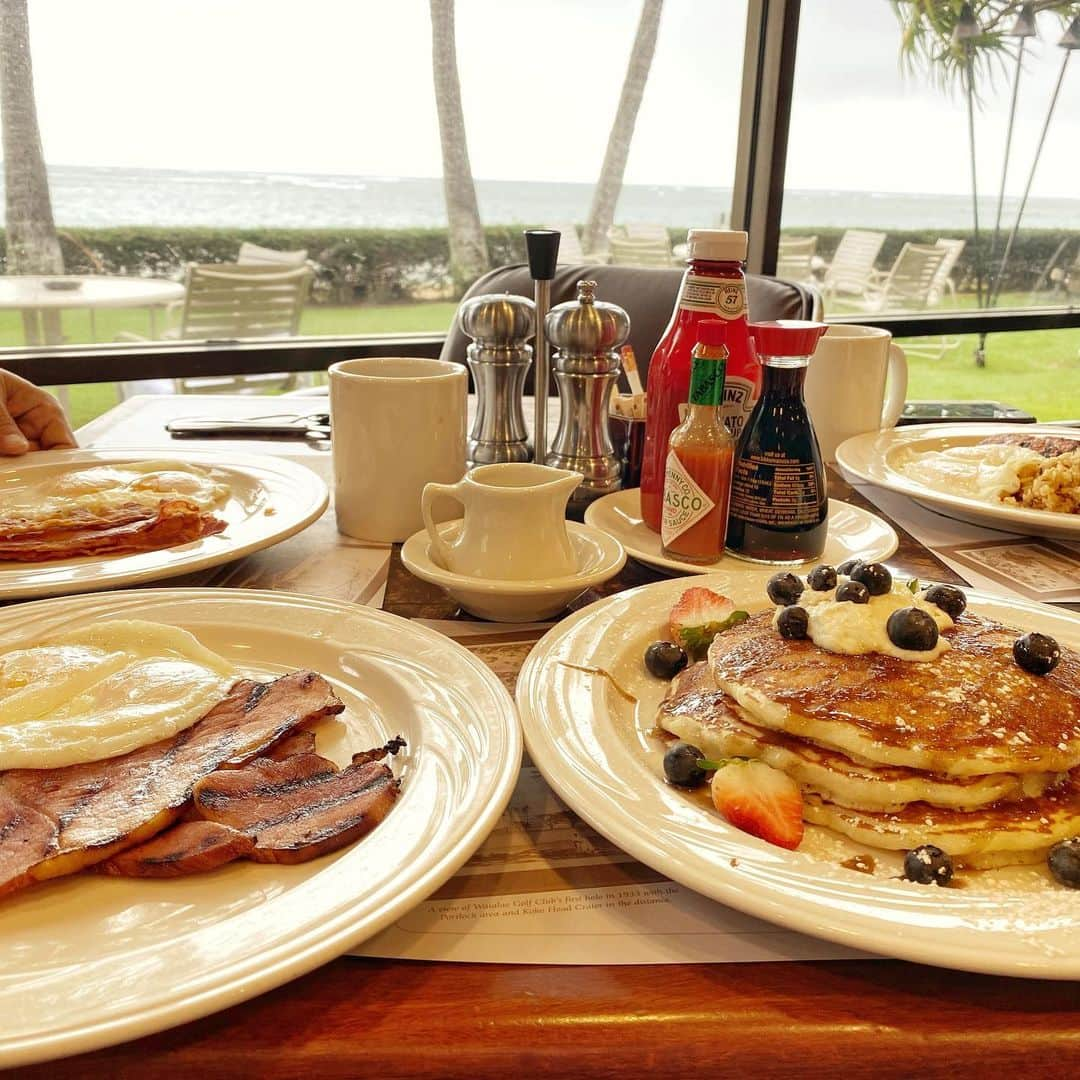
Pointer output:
x,y
771,489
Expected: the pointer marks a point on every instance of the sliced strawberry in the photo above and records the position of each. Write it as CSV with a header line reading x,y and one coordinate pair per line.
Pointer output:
x,y
698,616
760,800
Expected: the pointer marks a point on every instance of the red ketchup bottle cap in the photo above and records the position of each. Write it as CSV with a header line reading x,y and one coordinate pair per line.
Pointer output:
x,y
712,332
786,337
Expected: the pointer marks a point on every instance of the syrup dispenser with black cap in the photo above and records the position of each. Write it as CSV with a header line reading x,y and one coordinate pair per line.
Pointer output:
x,y
779,499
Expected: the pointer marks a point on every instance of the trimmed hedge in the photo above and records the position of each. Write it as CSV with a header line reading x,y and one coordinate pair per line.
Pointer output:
x,y
389,265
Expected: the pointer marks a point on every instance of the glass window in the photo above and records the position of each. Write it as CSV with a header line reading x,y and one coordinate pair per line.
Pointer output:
x,y
293,156
878,203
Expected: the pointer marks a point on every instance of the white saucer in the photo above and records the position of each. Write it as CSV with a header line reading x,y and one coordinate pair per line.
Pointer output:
x,y
853,533
599,557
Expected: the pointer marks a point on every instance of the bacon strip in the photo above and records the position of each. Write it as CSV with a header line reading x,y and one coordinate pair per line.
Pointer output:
x,y
93,811
174,522
299,808
189,847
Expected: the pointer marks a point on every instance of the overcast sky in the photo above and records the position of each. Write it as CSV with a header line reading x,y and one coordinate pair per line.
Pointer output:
x,y
344,86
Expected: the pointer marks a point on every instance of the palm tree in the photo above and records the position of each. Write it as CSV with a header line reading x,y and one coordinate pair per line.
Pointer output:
x,y
32,244
606,193
468,247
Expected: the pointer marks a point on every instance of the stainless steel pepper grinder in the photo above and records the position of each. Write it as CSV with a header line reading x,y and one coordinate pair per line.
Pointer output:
x,y
542,246
500,324
586,334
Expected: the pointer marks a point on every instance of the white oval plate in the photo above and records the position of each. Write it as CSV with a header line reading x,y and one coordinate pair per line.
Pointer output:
x,y
853,533
594,749
872,457
89,961
271,499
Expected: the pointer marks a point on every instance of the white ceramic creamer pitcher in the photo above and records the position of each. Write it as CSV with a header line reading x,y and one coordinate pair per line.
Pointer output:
x,y
515,522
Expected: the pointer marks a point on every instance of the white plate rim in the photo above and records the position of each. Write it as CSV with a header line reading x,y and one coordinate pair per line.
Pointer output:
x,y
863,456
569,778
729,564
290,957
310,499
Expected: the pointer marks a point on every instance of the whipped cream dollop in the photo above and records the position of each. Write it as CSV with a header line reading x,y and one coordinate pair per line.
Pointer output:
x,y
855,629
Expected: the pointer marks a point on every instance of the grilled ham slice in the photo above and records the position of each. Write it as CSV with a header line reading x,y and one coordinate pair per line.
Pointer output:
x,y
57,821
299,808
189,847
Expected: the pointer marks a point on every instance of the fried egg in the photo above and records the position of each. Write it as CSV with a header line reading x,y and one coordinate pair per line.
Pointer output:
x,y
81,494
989,473
104,690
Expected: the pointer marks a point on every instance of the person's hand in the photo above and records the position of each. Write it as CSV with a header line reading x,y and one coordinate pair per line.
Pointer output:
x,y
30,418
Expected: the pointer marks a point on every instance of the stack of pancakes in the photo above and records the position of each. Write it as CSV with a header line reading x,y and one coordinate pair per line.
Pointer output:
x,y
968,751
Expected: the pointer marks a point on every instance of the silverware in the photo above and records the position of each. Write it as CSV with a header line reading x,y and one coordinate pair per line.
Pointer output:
x,y
314,427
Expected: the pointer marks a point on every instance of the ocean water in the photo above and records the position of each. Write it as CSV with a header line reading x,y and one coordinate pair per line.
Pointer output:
x,y
118,196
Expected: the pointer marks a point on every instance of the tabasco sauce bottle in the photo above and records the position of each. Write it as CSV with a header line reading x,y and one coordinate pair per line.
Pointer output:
x,y
697,471
713,287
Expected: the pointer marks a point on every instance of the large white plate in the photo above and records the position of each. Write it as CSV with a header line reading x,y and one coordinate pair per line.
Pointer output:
x,y
873,457
271,499
853,533
595,749
88,961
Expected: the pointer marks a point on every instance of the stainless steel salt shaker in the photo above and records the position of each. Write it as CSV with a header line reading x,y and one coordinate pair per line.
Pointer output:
x,y
500,324
586,334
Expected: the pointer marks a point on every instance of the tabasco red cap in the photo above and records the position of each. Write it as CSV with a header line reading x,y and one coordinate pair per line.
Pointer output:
x,y
712,332
786,337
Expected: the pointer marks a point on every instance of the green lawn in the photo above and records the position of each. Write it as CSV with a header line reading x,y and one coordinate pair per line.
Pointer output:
x,y
1037,371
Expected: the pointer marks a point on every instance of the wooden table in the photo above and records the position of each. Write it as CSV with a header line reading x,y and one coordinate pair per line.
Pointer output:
x,y
410,1019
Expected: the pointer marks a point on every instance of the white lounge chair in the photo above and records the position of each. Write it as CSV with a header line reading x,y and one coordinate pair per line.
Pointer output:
x,y
795,259
256,255
851,272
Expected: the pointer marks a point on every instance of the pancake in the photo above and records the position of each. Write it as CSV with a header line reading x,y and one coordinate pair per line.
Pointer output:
x,y
697,711
998,835
971,712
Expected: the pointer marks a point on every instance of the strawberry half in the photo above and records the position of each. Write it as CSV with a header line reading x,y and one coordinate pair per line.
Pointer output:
x,y
698,616
760,800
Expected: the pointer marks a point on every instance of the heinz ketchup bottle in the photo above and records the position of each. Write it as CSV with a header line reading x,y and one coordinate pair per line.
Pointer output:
x,y
713,287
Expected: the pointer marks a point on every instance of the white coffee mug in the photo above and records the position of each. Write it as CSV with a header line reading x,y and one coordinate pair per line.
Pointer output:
x,y
846,384
398,423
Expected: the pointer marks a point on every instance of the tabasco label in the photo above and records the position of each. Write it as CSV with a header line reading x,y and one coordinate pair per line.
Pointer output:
x,y
721,297
685,504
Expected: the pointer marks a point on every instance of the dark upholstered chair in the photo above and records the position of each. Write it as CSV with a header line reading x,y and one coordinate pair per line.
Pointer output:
x,y
647,293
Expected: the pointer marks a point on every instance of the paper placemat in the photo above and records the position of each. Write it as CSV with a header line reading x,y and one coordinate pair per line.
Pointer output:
x,y
1005,564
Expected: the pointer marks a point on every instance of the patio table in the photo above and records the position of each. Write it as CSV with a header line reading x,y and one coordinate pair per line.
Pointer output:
x,y
41,302
855,1018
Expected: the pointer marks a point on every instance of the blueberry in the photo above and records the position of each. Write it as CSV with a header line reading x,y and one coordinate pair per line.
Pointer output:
x,y
784,588
928,865
1037,653
874,576
822,579
665,659
681,765
1064,862
853,592
845,568
912,628
951,601
793,623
